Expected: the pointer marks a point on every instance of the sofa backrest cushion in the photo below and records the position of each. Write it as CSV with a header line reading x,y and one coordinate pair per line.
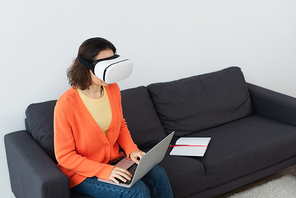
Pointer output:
x,y
196,103
141,117
39,123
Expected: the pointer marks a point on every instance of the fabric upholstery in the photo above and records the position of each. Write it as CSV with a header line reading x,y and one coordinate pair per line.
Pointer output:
x,y
246,146
32,172
273,104
141,117
193,104
39,123
186,174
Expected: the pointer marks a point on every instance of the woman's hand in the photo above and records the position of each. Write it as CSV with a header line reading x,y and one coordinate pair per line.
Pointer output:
x,y
136,156
121,174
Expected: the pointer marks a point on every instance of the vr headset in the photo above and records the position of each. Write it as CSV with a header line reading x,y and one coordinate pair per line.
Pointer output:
x,y
110,70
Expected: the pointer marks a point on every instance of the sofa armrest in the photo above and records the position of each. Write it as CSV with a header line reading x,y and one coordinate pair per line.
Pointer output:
x,y
32,172
273,104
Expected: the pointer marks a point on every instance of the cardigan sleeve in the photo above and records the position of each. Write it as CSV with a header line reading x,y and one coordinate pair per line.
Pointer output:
x,y
124,139
66,154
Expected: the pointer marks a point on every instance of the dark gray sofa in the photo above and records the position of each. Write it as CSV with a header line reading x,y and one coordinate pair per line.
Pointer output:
x,y
253,134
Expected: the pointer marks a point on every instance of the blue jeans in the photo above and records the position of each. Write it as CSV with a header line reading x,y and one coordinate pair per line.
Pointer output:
x,y
154,184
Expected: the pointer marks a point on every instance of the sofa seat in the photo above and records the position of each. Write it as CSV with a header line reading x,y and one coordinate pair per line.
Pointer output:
x,y
186,174
231,154
245,146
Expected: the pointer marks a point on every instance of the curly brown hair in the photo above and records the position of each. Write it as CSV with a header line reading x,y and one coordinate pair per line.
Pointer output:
x,y
77,74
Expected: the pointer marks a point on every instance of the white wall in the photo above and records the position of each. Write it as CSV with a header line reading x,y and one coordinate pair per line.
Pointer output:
x,y
166,40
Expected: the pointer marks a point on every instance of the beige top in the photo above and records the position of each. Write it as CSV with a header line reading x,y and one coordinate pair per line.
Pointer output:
x,y
99,109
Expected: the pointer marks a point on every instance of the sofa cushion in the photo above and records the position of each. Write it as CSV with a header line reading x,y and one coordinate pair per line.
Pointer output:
x,y
186,175
196,103
245,146
39,122
141,117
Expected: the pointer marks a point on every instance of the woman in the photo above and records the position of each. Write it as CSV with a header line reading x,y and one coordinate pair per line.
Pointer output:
x,y
89,128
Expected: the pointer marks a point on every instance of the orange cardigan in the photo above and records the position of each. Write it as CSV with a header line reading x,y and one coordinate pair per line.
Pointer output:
x,y
81,147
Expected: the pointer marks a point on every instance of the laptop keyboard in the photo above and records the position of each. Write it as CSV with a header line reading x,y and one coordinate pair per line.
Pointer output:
x,y
132,170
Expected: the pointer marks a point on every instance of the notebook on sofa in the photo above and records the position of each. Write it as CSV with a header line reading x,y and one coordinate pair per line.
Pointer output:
x,y
190,146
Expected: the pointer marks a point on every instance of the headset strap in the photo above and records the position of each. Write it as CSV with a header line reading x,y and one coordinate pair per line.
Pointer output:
x,y
87,64
91,65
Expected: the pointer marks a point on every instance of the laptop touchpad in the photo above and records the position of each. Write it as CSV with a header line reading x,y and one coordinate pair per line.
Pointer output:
x,y
125,163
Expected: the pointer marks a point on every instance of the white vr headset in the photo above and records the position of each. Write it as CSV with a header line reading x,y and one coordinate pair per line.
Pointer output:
x,y
111,69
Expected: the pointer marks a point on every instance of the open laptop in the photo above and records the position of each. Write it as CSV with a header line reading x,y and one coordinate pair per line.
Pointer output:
x,y
146,163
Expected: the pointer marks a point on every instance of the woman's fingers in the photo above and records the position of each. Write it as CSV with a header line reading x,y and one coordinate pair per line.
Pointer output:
x,y
121,174
136,156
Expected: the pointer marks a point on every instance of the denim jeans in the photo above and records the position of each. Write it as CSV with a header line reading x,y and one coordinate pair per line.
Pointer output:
x,y
154,184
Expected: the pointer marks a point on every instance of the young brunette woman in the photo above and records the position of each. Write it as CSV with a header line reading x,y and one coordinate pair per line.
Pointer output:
x,y
89,128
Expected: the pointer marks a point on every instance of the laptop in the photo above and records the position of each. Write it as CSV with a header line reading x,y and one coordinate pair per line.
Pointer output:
x,y
146,163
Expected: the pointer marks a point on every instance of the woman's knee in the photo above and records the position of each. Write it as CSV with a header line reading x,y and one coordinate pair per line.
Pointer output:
x,y
157,171
139,190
